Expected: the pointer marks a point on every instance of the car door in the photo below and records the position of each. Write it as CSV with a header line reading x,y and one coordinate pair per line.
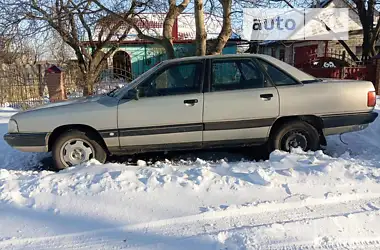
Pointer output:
x,y
168,112
240,104
295,94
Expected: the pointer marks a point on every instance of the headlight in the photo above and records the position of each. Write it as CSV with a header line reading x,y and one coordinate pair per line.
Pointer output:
x,y
12,126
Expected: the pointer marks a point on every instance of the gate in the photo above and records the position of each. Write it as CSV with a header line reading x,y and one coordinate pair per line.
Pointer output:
x,y
366,72
337,65
303,55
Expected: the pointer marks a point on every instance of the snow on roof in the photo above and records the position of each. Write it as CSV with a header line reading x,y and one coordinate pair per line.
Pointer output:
x,y
152,24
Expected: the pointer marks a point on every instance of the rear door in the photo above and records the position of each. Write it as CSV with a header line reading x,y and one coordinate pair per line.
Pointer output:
x,y
240,104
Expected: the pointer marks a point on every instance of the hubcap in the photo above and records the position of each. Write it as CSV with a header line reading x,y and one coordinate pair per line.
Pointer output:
x,y
76,151
294,140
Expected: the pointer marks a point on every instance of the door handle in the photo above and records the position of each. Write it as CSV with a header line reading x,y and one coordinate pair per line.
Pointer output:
x,y
190,102
266,97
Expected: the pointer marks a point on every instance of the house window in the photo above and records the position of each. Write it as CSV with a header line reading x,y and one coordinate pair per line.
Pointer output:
x,y
122,65
282,55
273,52
359,50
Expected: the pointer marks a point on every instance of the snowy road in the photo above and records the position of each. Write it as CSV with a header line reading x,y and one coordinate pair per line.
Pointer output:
x,y
236,228
291,201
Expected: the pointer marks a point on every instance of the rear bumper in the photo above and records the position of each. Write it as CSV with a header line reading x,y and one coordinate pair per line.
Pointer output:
x,y
28,142
334,121
339,124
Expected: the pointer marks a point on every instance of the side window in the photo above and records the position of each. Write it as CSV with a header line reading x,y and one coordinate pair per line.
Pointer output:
x,y
175,80
235,74
278,77
225,73
250,72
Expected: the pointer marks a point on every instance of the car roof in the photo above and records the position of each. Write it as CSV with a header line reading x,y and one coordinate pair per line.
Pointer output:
x,y
296,73
191,58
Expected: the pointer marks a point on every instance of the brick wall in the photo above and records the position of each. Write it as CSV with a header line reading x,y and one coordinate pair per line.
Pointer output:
x,y
355,41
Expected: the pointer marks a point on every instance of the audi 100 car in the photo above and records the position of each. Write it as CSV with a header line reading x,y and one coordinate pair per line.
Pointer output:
x,y
195,103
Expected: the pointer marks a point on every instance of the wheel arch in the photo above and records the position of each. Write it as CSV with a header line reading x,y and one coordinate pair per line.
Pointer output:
x,y
81,127
313,120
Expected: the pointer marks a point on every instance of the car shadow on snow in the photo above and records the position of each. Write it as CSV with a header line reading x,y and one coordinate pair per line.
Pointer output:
x,y
230,154
257,153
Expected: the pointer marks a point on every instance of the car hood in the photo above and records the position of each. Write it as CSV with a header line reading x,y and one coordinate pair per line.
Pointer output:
x,y
95,111
80,100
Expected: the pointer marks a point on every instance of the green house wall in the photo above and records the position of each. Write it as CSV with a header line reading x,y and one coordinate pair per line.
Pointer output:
x,y
145,56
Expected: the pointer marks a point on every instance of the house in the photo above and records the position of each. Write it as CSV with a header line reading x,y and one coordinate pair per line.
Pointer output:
x,y
135,56
299,53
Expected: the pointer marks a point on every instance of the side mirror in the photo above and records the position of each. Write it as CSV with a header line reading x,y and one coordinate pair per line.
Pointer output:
x,y
132,94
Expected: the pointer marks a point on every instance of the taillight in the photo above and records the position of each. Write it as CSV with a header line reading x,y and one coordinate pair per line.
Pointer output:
x,y
371,99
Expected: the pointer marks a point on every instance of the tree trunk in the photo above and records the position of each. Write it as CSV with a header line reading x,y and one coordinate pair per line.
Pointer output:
x,y
366,10
88,83
201,35
226,31
169,48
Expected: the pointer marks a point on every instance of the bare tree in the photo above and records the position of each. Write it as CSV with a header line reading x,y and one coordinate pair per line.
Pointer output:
x,y
75,22
60,51
173,10
216,46
166,41
317,3
201,34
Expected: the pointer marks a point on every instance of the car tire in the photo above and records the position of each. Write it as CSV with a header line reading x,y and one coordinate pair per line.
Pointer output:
x,y
295,134
75,147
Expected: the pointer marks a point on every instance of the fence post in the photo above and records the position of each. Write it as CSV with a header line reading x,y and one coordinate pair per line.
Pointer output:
x,y
40,81
342,72
55,82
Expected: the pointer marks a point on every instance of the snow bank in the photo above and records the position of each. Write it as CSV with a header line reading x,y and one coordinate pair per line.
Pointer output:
x,y
280,172
11,158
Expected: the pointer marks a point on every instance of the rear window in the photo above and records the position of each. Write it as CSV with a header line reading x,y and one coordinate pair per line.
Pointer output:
x,y
278,77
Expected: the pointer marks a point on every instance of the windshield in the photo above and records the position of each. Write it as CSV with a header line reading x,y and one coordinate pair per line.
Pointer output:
x,y
132,84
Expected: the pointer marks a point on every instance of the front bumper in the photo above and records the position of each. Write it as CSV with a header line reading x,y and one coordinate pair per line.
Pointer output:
x,y
28,142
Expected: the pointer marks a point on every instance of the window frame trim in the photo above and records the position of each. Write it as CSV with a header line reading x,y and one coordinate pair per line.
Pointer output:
x,y
162,69
298,83
209,68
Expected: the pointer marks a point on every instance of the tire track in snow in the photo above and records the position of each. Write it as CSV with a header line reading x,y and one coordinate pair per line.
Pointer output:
x,y
174,231
369,244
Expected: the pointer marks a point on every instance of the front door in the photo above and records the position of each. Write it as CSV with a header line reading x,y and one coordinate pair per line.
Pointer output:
x,y
304,55
241,105
168,112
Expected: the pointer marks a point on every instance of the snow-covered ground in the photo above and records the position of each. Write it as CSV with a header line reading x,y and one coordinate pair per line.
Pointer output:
x,y
291,201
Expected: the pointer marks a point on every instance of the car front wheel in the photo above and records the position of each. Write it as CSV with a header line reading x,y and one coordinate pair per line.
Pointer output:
x,y
295,134
75,147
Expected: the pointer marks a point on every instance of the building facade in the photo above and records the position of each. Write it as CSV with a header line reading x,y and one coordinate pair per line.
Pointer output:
x,y
135,56
300,52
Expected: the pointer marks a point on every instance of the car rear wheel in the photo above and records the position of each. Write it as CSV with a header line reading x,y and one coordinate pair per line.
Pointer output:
x,y
75,147
295,134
